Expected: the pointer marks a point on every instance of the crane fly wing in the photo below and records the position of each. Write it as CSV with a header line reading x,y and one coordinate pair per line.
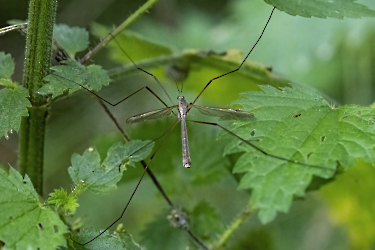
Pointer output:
x,y
155,114
220,112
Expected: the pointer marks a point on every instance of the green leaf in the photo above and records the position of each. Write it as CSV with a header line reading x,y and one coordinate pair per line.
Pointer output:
x,y
135,45
323,8
63,201
200,67
13,105
120,239
249,78
205,222
24,222
8,83
159,234
353,206
86,170
299,125
69,76
6,65
136,149
72,39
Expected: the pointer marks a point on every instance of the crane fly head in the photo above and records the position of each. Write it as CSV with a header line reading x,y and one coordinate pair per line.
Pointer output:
x,y
180,98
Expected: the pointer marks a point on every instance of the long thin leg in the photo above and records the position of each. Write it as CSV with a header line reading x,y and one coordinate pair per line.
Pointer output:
x,y
242,61
164,137
261,150
196,240
144,164
152,176
21,26
146,169
114,104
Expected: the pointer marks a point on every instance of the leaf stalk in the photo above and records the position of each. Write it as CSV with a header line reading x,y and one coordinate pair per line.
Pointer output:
x,y
241,218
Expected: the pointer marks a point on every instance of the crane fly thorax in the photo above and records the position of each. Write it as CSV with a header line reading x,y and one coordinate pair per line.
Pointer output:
x,y
182,106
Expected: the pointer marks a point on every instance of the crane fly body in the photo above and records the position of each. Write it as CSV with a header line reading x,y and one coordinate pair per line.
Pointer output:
x,y
183,109
182,112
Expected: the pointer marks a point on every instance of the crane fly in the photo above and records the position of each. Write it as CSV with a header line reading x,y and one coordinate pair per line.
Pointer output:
x,y
183,108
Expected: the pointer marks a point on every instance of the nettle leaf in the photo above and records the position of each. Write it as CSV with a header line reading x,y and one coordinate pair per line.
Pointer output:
x,y
13,98
25,223
87,170
299,125
13,105
72,39
120,239
6,65
323,8
70,75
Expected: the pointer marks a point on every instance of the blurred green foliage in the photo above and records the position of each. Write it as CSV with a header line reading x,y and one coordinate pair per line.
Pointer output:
x,y
334,56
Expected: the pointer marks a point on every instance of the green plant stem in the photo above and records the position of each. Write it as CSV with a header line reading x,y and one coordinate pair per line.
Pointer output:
x,y
241,218
125,24
37,62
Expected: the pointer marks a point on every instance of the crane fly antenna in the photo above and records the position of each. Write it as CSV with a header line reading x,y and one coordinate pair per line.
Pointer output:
x,y
174,79
182,85
230,72
135,65
176,84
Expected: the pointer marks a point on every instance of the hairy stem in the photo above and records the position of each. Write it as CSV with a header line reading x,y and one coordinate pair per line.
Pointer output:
x,y
241,218
37,62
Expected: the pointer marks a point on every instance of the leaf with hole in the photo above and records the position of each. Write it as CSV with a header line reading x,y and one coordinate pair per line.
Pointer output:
x,y
299,125
25,223
13,106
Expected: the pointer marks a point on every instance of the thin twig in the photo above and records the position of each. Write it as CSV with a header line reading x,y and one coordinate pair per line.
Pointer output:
x,y
125,24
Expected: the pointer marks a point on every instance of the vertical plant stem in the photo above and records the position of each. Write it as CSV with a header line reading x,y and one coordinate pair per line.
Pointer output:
x,y
241,218
37,62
